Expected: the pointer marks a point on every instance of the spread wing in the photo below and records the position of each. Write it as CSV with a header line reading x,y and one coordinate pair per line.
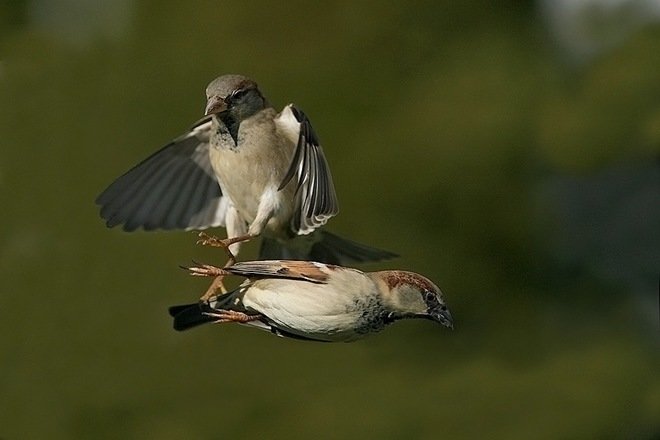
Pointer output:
x,y
290,269
316,200
174,188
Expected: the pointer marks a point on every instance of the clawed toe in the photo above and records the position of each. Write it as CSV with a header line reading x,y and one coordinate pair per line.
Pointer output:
x,y
211,240
205,270
222,315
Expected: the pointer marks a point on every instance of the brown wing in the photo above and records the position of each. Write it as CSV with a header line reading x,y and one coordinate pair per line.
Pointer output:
x,y
290,269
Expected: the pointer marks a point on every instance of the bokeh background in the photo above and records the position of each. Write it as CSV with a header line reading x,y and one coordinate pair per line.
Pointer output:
x,y
508,150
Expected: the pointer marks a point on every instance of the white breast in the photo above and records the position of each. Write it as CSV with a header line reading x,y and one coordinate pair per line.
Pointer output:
x,y
330,311
254,167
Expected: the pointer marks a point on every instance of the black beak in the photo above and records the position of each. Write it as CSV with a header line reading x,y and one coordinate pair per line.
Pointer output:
x,y
443,316
214,105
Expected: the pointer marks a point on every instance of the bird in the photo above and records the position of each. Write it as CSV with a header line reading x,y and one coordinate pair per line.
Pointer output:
x,y
247,168
314,301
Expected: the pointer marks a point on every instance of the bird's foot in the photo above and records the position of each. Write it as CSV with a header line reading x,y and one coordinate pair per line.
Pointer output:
x,y
222,315
211,240
207,270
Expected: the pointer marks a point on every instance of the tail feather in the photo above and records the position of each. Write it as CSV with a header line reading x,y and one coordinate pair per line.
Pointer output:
x,y
325,248
346,251
272,249
189,315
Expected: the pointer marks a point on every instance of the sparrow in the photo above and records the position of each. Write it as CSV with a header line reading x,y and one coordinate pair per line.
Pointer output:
x,y
247,168
315,301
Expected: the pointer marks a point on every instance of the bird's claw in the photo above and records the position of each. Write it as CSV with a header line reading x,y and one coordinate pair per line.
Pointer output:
x,y
205,270
222,315
211,240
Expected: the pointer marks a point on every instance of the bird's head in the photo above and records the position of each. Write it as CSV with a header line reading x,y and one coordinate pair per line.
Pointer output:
x,y
410,295
234,95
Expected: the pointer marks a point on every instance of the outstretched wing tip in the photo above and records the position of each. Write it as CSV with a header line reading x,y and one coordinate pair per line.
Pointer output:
x,y
173,188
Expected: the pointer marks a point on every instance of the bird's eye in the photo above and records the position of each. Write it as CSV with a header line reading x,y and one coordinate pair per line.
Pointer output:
x,y
429,296
237,94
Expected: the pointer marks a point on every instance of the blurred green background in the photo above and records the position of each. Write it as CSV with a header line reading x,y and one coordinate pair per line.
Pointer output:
x,y
508,150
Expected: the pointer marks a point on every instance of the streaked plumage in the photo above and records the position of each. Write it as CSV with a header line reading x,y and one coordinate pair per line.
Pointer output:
x,y
316,301
244,167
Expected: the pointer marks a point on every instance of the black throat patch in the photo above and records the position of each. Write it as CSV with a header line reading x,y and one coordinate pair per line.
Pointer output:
x,y
232,124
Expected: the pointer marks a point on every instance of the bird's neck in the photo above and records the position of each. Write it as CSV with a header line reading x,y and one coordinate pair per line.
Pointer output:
x,y
233,118
231,123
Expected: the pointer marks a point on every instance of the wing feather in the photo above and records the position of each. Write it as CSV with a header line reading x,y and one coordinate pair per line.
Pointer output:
x,y
315,192
290,269
174,188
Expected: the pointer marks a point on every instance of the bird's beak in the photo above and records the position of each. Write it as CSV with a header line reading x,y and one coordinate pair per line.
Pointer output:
x,y
443,317
214,105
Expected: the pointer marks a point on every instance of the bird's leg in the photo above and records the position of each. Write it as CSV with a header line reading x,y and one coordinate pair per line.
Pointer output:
x,y
210,240
206,270
216,284
222,315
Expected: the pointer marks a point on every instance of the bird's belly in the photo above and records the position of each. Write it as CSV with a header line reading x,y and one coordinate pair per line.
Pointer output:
x,y
248,174
312,311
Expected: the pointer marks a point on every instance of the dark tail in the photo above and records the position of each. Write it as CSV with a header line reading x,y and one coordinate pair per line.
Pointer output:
x,y
190,315
324,247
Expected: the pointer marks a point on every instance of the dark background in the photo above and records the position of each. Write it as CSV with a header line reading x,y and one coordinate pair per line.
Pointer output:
x,y
507,150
